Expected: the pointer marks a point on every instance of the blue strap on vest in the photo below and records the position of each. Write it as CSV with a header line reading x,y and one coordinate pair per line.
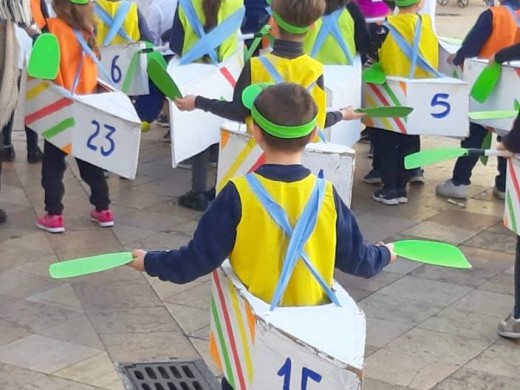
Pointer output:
x,y
330,26
88,51
298,236
115,24
208,43
409,51
514,15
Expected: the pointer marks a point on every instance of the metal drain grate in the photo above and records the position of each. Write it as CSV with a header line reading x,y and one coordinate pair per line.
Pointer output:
x,y
173,374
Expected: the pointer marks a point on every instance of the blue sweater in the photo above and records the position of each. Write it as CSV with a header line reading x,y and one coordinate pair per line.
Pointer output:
x,y
216,233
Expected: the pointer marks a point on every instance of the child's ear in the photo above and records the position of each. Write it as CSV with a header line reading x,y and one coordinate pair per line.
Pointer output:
x,y
314,134
257,134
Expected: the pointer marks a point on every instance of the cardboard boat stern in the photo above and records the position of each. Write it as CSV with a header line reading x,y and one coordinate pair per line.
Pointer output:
x,y
512,201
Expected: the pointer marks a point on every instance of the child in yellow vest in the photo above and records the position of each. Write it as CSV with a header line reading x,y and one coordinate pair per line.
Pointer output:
x,y
286,63
392,147
284,121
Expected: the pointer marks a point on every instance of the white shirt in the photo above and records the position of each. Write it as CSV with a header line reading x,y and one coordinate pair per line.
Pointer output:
x,y
24,46
143,5
160,18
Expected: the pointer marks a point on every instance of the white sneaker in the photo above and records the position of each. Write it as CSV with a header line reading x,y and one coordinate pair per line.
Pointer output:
x,y
499,194
450,190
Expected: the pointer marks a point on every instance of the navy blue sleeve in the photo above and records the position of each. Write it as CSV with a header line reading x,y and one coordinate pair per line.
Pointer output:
x,y
476,38
143,28
212,243
353,255
361,33
177,35
510,53
43,7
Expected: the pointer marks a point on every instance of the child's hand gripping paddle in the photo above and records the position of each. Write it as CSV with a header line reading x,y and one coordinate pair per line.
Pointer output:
x,y
386,112
486,82
431,252
89,265
374,74
163,80
45,58
432,156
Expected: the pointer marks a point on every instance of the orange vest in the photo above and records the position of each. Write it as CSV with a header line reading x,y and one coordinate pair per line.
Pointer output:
x,y
505,32
37,13
71,58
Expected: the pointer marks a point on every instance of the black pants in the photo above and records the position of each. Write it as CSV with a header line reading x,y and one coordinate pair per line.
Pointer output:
x,y
32,137
391,149
376,159
53,168
226,385
464,165
517,279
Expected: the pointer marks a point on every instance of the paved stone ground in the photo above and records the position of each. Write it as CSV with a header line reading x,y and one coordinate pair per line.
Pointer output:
x,y
428,327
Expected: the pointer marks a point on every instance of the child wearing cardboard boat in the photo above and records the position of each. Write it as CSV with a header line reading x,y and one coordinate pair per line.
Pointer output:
x,y
284,120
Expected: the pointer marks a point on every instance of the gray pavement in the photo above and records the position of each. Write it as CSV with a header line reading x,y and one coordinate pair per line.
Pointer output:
x,y
428,327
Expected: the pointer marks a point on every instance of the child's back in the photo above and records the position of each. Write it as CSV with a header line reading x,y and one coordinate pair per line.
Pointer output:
x,y
106,10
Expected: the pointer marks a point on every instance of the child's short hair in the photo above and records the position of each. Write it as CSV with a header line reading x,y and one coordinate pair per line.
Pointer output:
x,y
286,104
333,5
299,13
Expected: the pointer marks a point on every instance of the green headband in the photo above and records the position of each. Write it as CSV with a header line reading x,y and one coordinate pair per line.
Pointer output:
x,y
289,27
80,2
249,96
405,3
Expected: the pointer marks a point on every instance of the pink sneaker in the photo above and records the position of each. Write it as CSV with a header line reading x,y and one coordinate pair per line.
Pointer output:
x,y
51,223
103,218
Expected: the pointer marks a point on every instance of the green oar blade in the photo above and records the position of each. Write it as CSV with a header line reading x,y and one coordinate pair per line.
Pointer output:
x,y
430,252
386,112
44,62
486,82
484,115
432,156
374,74
89,265
162,79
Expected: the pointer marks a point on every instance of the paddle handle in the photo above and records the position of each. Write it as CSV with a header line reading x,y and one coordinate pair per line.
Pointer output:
x,y
489,153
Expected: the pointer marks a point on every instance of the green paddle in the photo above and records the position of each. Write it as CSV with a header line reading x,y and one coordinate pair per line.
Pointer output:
x,y
374,74
162,79
432,156
44,62
386,112
484,115
486,82
431,252
89,265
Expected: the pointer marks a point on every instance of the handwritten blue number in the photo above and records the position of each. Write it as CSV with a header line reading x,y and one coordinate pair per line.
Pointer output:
x,y
307,374
94,135
285,371
437,102
111,130
115,72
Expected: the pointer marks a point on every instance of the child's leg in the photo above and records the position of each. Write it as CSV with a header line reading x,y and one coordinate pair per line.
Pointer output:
x,y
388,153
226,385
53,167
95,178
6,133
32,139
199,175
464,165
407,145
516,312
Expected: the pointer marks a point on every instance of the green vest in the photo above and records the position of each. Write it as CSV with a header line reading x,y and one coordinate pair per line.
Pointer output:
x,y
227,8
330,52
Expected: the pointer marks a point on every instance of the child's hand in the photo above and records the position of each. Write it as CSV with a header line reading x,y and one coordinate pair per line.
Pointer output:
x,y
393,256
187,103
450,59
138,263
349,114
500,146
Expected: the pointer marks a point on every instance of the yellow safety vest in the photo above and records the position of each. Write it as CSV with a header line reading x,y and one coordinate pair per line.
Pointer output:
x,y
227,8
302,70
330,52
130,26
260,244
394,62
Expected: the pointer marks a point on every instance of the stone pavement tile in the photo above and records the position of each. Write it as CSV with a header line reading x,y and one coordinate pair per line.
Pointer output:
x,y
369,350
188,227
492,208
13,378
373,384
74,244
202,347
376,228
485,302
381,332
63,296
10,332
33,316
190,319
14,195
358,294
465,219
502,284
126,347
402,266
55,383
442,347
405,370
372,284
510,271
493,241
146,219
118,295
160,241
171,207
126,234
21,238
114,275
424,290
436,231
467,324
97,370
499,228
133,320
499,359
467,379
137,199
202,333
24,218
14,256
36,265
166,289
198,296
46,355
398,310
22,285
177,184
78,330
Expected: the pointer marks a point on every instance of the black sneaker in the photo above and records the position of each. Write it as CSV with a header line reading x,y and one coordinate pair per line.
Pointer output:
x,y
416,176
194,200
163,121
388,199
373,177
210,194
34,156
7,154
3,216
402,196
